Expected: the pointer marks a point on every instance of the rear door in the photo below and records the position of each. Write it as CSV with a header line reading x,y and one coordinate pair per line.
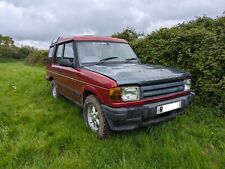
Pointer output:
x,y
49,62
50,56
67,78
56,68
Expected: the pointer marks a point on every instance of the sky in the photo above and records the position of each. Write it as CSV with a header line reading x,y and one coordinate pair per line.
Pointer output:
x,y
38,22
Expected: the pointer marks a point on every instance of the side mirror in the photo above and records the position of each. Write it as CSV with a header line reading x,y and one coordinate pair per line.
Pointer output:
x,y
65,62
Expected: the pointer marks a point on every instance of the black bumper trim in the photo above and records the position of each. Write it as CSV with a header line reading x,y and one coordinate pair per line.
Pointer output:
x,y
128,118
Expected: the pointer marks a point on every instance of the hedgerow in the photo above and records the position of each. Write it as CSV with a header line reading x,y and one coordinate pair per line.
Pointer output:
x,y
37,57
197,46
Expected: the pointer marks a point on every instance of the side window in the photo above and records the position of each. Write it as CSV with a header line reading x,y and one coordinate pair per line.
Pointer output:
x,y
59,53
50,51
68,52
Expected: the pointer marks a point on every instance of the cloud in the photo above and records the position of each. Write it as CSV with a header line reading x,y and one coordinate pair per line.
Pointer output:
x,y
38,21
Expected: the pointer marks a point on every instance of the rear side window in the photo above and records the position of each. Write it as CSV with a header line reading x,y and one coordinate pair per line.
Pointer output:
x,y
59,53
68,52
50,51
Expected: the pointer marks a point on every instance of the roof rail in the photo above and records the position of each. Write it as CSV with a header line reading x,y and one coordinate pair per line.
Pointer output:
x,y
55,40
88,35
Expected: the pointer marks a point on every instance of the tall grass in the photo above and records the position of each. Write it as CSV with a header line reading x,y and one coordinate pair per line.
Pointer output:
x,y
37,131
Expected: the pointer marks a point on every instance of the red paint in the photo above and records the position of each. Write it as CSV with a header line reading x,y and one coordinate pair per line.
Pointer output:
x,y
90,38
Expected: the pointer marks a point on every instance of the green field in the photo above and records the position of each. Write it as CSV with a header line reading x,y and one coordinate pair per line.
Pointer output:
x,y
37,131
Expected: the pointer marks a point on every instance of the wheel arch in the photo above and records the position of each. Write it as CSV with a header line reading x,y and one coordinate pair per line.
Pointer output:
x,y
88,90
49,78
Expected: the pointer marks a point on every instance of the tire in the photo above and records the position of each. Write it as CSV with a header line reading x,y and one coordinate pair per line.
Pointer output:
x,y
54,90
94,117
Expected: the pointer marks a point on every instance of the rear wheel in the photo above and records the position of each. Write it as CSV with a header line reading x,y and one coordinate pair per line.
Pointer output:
x,y
54,90
94,117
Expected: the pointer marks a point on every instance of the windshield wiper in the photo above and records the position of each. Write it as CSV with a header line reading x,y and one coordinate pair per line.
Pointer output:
x,y
103,60
131,59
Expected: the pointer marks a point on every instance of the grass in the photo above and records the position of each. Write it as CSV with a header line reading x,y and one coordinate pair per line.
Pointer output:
x,y
37,131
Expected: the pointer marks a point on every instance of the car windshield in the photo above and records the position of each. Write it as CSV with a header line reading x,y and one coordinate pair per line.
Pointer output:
x,y
96,52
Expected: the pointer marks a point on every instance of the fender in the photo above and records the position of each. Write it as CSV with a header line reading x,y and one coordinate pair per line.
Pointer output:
x,y
98,91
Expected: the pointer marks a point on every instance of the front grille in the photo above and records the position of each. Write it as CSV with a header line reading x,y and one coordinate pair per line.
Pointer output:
x,y
152,90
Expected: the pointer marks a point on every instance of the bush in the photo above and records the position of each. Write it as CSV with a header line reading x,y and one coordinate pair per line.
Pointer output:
x,y
8,52
37,57
24,51
197,47
129,34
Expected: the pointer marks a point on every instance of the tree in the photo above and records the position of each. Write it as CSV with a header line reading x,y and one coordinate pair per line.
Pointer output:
x,y
6,41
128,34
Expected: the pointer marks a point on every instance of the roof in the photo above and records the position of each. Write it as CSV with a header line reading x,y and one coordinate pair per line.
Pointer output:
x,y
89,38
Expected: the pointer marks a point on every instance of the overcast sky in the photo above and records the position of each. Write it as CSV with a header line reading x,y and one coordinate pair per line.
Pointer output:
x,y
37,22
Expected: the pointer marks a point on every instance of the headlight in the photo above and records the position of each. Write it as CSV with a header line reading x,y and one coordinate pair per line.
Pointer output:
x,y
130,93
187,84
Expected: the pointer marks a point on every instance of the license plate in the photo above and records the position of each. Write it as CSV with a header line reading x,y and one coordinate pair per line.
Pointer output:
x,y
168,107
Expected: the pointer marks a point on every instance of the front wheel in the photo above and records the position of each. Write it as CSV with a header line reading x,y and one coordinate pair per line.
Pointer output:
x,y
94,117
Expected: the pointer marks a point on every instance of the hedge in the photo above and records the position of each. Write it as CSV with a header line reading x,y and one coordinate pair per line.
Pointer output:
x,y
198,47
37,57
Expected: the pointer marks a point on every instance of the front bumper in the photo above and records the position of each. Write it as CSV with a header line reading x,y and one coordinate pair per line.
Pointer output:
x,y
129,118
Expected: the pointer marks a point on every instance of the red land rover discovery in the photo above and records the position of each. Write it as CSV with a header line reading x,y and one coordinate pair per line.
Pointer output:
x,y
116,91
